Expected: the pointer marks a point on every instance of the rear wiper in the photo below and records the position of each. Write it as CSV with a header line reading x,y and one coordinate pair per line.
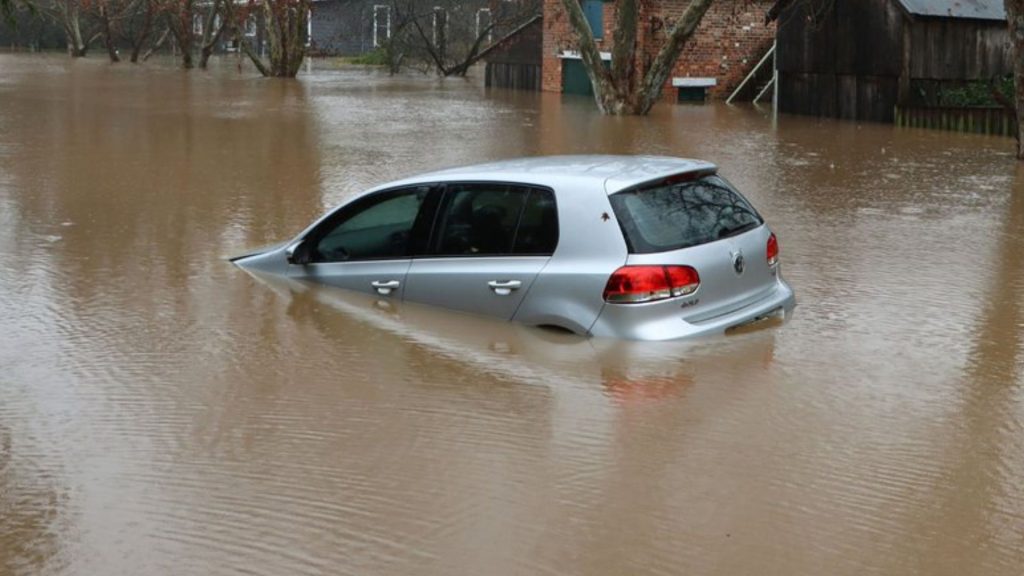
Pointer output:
x,y
727,232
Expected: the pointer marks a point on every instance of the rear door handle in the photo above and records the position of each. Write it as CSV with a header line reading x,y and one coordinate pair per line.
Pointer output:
x,y
504,287
385,287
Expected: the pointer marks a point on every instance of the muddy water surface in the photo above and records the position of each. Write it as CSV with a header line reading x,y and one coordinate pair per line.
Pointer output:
x,y
162,412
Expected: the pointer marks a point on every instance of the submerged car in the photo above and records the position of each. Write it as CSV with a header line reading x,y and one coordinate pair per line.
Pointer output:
x,y
640,248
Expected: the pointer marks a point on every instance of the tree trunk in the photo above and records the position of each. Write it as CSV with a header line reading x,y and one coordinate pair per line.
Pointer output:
x,y
180,25
286,24
616,88
1015,20
109,40
244,46
76,46
147,28
599,76
211,36
661,68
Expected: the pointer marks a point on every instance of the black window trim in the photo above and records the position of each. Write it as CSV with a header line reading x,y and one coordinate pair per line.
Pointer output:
x,y
444,198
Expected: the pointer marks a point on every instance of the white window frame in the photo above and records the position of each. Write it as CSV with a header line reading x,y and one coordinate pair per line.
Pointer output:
x,y
376,24
490,33
250,26
197,24
433,20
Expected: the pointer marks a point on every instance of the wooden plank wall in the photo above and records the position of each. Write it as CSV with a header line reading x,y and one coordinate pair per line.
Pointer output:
x,y
842,62
514,76
526,48
946,49
844,58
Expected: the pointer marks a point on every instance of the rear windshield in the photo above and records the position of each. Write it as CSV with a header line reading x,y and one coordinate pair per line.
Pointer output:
x,y
675,216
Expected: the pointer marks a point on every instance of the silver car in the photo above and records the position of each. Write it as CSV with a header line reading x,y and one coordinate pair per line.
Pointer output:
x,y
641,248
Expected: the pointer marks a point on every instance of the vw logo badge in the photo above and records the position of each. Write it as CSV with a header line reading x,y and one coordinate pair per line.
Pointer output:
x,y
737,262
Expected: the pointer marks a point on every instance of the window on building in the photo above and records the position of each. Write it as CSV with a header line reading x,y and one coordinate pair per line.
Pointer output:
x,y
250,26
440,24
594,11
483,24
381,24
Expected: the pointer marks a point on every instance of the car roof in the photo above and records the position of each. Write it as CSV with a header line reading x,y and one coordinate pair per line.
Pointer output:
x,y
613,173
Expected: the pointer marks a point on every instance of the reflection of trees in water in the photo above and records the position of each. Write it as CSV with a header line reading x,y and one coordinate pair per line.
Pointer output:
x,y
28,511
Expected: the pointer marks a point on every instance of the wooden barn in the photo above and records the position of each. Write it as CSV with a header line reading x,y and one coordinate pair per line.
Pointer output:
x,y
860,59
516,64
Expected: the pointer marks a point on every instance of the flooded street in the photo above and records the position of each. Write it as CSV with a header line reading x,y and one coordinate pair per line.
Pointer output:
x,y
163,412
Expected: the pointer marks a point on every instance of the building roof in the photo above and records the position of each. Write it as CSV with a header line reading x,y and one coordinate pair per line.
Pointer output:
x,y
975,9
967,9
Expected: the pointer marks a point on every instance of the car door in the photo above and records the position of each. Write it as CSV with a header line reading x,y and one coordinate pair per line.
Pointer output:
x,y
489,242
367,245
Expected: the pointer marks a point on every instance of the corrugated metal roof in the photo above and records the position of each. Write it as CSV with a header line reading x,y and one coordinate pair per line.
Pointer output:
x,y
979,9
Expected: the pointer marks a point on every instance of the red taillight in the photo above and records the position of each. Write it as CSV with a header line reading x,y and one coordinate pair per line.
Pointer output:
x,y
773,250
635,284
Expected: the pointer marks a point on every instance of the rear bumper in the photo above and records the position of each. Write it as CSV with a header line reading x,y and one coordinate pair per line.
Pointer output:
x,y
624,321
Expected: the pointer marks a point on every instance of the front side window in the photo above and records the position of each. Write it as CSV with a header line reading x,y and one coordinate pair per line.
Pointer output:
x,y
676,216
376,227
495,220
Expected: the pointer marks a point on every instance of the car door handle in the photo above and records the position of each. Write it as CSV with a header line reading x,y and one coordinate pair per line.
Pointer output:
x,y
504,287
385,287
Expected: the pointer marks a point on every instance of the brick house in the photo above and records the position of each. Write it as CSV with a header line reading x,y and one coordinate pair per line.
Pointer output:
x,y
729,42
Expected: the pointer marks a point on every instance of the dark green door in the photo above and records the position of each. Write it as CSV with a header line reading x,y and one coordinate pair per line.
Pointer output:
x,y
575,79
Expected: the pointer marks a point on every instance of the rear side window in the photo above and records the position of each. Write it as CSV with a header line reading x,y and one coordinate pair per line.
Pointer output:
x,y
675,216
495,219
538,226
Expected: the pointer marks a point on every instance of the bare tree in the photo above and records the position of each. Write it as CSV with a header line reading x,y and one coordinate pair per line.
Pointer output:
x,y
213,29
7,9
71,16
158,44
110,17
286,23
629,87
180,19
137,26
453,35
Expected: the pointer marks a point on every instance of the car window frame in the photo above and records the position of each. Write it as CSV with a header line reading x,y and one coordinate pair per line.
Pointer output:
x,y
444,199
419,234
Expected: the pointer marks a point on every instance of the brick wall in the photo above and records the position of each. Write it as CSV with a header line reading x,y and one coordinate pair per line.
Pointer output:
x,y
730,40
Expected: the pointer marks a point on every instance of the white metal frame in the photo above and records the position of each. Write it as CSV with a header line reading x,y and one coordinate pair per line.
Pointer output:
x,y
433,20
490,33
769,54
376,24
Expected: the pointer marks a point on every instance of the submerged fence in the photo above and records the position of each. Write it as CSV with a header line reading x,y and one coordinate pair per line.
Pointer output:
x,y
995,121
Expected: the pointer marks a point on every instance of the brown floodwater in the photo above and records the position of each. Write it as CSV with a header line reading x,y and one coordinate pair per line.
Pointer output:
x,y
162,412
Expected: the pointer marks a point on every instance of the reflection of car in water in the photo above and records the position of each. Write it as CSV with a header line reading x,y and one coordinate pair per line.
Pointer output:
x,y
643,248
626,371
